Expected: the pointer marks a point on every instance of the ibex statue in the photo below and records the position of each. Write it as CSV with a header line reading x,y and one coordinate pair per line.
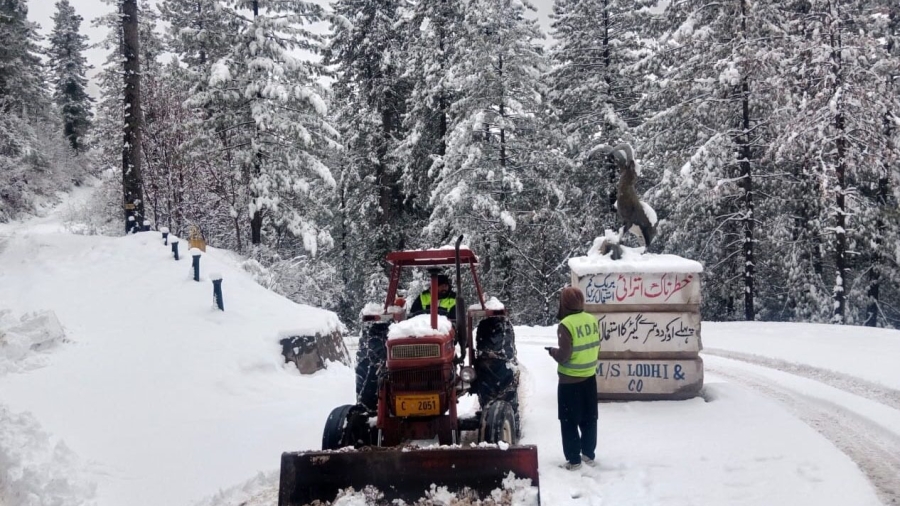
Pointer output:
x,y
636,216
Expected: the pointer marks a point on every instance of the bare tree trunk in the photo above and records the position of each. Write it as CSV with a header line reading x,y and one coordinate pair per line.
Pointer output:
x,y
607,63
747,185
881,200
840,243
508,276
256,217
131,146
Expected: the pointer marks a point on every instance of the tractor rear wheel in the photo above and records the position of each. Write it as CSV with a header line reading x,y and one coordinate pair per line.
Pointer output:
x,y
497,380
496,367
498,423
495,334
370,358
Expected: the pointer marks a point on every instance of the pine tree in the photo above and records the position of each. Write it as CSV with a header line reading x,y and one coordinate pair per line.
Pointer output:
x,y
593,87
494,96
69,67
875,295
273,106
35,159
201,34
838,134
434,32
369,97
21,80
711,79
197,31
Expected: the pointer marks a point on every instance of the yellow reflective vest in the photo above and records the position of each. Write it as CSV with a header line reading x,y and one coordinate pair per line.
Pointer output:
x,y
446,304
585,345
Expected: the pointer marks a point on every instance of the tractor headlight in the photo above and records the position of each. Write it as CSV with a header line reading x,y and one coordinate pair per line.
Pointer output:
x,y
467,374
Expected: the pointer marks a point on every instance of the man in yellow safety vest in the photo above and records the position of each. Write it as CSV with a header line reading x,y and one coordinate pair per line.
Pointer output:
x,y
578,337
446,299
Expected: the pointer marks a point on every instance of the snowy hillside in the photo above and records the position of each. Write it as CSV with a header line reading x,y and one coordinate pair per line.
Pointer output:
x,y
162,398
144,394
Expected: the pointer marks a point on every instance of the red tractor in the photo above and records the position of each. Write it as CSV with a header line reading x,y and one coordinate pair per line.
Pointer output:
x,y
408,386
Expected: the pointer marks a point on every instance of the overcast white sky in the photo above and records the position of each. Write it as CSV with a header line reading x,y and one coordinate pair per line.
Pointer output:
x,y
42,11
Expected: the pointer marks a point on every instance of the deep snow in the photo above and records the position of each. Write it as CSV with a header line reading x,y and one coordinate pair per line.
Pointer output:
x,y
155,398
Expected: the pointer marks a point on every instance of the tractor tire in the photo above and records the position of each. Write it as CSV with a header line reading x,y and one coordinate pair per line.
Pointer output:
x,y
498,423
495,336
370,359
497,375
347,425
497,380
334,436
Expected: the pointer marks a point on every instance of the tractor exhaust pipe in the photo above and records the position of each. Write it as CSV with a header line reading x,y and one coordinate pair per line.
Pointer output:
x,y
460,308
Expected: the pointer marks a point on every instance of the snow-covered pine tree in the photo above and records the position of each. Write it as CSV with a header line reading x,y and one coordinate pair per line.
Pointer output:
x,y
272,103
433,34
198,31
22,104
21,80
837,133
875,297
495,95
707,116
35,158
369,97
592,88
201,33
108,111
69,67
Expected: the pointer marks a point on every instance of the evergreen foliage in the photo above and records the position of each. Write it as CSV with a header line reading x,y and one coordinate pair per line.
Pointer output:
x,y
766,134
35,159
69,68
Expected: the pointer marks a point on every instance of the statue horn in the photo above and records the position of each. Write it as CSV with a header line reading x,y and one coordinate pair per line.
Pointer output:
x,y
626,150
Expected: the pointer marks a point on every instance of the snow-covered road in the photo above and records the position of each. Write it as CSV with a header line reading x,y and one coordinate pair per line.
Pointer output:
x,y
860,418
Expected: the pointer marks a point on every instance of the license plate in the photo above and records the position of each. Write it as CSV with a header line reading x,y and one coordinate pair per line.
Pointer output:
x,y
417,405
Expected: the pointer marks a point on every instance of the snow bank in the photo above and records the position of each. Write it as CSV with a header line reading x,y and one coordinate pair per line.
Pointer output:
x,y
419,326
35,471
23,339
633,260
157,385
261,490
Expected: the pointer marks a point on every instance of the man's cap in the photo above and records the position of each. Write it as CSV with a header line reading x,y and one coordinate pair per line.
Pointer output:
x,y
444,279
571,300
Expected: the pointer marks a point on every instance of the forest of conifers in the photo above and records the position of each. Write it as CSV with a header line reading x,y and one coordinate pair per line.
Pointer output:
x,y
314,139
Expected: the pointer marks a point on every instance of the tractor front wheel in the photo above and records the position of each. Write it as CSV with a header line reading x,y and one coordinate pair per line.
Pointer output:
x,y
347,425
498,423
334,435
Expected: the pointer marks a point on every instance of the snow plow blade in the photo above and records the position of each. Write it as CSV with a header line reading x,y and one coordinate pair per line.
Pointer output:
x,y
401,474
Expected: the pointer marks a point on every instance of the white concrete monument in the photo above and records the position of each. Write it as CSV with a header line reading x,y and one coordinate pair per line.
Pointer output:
x,y
648,308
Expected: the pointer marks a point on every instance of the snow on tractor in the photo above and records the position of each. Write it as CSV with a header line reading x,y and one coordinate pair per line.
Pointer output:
x,y
409,379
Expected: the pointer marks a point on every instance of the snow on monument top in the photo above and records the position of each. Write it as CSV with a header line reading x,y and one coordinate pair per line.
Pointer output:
x,y
632,261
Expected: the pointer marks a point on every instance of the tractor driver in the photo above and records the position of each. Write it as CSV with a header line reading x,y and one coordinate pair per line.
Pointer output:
x,y
446,299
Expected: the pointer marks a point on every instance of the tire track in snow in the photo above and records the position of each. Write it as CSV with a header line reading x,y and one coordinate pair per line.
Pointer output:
x,y
873,448
869,390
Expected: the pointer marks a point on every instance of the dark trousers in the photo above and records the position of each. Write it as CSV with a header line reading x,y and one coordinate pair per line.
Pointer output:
x,y
578,418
